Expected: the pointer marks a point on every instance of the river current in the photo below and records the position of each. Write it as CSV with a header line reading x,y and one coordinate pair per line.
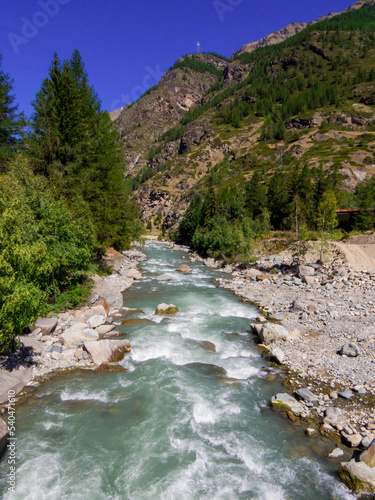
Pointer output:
x,y
189,420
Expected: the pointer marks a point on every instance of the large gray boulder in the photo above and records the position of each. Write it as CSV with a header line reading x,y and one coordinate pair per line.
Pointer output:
x,y
47,325
4,435
107,351
350,349
306,271
78,334
270,332
97,320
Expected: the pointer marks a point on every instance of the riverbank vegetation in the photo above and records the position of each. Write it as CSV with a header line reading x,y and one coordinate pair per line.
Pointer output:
x,y
63,198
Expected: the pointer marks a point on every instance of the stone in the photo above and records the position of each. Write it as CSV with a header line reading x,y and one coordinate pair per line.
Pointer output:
x,y
310,432
78,334
96,321
110,289
164,277
357,476
306,395
46,325
34,345
336,453
251,273
306,271
350,349
107,351
347,394
309,280
166,309
368,456
256,328
277,355
4,435
184,269
285,402
297,305
99,309
333,416
104,329
366,443
271,332
352,440
263,277
14,380
327,430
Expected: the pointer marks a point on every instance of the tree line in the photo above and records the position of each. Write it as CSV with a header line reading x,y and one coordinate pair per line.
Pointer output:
x,y
63,197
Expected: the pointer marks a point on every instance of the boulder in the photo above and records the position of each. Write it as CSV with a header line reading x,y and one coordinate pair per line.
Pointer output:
x,y
78,334
333,416
285,402
104,329
107,351
270,332
297,305
347,394
110,288
34,345
352,440
166,309
184,269
263,277
14,380
350,349
96,321
306,395
357,476
46,325
368,456
98,310
306,271
4,435
277,355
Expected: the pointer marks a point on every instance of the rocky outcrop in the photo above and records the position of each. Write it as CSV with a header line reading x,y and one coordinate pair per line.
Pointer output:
x,y
107,351
193,135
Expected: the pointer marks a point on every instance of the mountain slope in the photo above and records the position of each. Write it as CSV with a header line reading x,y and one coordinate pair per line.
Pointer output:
x,y
307,101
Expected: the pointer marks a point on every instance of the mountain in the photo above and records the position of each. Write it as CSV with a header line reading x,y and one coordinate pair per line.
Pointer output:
x,y
292,29
212,122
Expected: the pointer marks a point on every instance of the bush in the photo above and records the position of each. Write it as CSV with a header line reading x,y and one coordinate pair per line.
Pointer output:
x,y
46,247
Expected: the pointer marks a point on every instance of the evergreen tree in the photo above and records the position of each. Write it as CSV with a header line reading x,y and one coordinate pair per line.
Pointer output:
x,y
11,122
277,199
76,146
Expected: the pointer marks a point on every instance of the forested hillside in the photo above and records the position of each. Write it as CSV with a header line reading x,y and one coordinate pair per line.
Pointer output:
x,y
63,198
279,132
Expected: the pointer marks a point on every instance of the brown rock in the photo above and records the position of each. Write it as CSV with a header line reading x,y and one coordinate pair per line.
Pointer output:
x,y
262,277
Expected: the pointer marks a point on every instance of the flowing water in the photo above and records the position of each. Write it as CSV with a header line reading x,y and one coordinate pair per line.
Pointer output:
x,y
190,419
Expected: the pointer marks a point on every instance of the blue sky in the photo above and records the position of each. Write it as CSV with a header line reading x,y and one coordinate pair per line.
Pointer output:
x,y
127,45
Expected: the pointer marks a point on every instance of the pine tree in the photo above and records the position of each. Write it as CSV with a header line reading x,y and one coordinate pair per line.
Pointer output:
x,y
11,122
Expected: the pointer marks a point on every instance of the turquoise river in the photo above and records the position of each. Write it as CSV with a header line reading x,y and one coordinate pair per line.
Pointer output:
x,y
190,419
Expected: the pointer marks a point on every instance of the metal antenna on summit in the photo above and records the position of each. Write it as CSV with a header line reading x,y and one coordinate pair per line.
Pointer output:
x,y
198,47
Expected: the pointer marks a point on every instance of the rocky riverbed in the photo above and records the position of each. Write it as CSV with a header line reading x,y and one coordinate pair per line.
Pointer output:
x,y
318,322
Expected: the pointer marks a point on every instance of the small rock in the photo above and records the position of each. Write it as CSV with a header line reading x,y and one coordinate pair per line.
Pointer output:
x,y
336,453
184,269
306,395
96,321
347,394
46,325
